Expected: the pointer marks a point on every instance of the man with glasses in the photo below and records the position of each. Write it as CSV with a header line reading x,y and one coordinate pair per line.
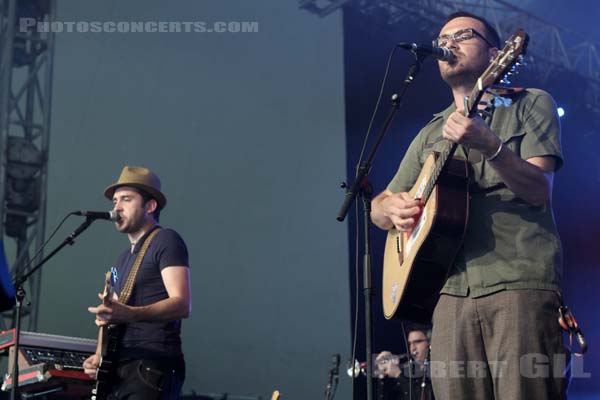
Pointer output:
x,y
462,35
409,380
496,320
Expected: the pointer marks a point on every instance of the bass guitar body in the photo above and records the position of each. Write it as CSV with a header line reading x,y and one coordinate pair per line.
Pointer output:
x,y
106,375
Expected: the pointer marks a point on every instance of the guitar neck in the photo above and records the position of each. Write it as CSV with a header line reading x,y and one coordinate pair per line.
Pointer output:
x,y
100,344
439,166
101,347
445,156
107,295
474,98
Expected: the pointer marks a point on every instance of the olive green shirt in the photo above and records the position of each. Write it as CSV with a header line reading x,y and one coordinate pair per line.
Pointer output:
x,y
509,243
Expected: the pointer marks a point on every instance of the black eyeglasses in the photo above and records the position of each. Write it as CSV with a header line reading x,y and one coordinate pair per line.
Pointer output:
x,y
459,36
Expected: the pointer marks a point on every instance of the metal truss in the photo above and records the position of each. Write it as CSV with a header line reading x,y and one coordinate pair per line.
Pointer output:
x,y
26,59
322,7
555,50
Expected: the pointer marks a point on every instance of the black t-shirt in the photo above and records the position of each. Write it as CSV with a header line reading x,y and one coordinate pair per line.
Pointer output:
x,y
151,339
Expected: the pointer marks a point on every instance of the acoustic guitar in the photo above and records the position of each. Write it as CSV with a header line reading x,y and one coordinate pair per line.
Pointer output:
x,y
416,263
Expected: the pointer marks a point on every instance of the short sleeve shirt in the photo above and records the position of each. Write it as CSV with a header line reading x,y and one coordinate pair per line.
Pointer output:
x,y
151,339
509,243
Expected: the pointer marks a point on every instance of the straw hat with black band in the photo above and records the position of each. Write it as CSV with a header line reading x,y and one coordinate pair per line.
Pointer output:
x,y
140,178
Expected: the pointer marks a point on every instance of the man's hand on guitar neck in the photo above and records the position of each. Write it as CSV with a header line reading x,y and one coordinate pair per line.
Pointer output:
x,y
473,133
112,312
176,306
530,179
395,210
90,365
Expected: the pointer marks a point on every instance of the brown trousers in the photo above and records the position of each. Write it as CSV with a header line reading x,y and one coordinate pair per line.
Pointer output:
x,y
504,346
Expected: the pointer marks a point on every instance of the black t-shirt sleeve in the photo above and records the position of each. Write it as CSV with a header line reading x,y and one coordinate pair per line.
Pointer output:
x,y
171,250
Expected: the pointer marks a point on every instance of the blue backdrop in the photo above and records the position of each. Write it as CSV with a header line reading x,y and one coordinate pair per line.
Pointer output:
x,y
368,42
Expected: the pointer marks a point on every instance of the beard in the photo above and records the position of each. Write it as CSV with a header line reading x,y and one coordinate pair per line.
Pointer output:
x,y
130,225
456,79
463,73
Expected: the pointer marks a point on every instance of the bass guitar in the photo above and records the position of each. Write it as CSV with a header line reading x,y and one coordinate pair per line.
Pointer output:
x,y
106,348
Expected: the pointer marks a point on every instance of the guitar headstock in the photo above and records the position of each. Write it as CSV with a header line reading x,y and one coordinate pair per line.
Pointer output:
x,y
506,59
109,288
504,63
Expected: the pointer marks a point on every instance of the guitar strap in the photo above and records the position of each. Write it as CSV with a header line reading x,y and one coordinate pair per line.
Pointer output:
x,y
128,288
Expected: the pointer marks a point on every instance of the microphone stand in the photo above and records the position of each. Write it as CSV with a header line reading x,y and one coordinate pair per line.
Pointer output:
x,y
424,389
329,387
362,187
333,378
20,295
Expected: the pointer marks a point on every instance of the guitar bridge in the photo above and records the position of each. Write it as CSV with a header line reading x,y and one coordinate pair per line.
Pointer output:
x,y
399,247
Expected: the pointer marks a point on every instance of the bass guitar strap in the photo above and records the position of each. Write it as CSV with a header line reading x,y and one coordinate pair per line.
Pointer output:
x,y
125,294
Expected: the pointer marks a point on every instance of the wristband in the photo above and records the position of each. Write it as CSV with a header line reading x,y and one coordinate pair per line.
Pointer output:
x,y
490,158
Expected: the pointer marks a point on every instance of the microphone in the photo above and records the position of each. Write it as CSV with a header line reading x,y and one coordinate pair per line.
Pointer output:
x,y
422,49
108,215
356,369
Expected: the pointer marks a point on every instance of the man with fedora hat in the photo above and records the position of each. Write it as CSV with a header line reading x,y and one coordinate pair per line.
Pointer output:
x,y
152,284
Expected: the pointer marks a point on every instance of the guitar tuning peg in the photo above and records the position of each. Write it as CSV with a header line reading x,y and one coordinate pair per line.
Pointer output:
x,y
521,61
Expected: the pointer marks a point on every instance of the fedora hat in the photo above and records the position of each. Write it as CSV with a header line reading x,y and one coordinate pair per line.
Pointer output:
x,y
140,178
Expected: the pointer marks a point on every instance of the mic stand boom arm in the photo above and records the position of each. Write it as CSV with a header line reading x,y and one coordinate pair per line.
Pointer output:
x,y
361,186
365,166
20,295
